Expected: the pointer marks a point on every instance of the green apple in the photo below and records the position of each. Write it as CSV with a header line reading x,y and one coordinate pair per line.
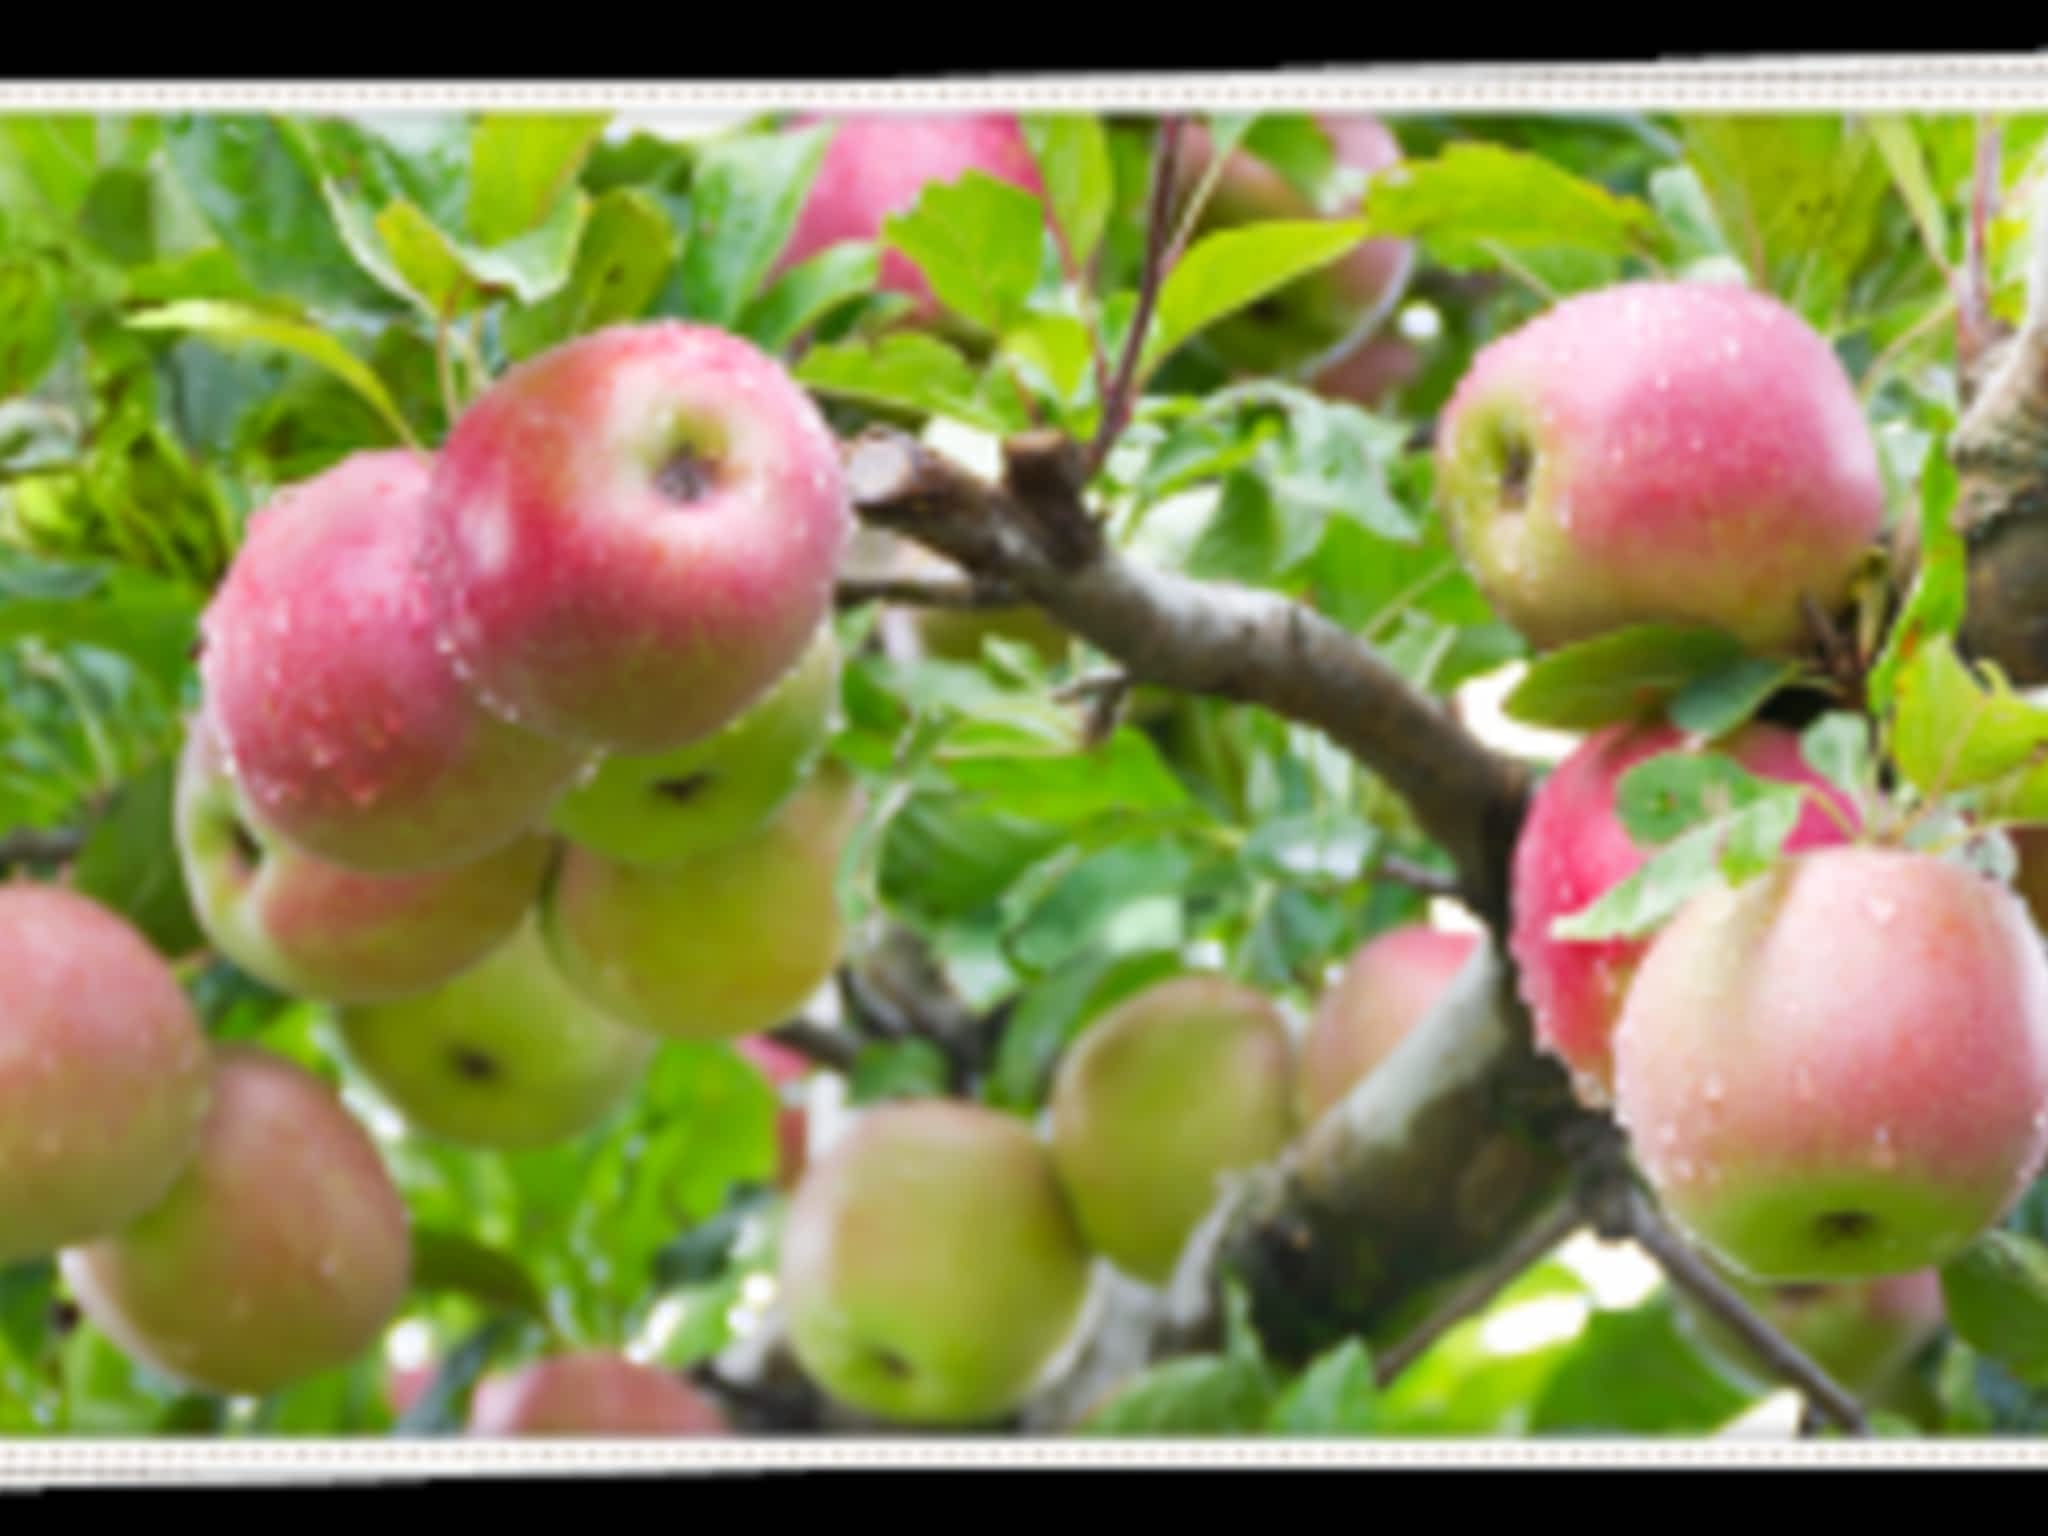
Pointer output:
x,y
1157,1099
727,943
661,809
506,1055
930,1268
318,929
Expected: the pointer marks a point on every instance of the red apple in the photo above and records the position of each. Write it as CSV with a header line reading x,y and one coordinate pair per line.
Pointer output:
x,y
1839,1069
591,1393
320,930
1386,988
104,1076
1660,452
339,716
1573,848
632,537
878,165
1372,372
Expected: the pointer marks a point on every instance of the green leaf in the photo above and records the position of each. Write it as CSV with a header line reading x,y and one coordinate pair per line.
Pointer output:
x,y
521,165
27,1290
628,247
445,1261
905,371
1056,1008
1952,731
1624,675
1672,792
744,201
1837,747
1072,152
705,1251
1904,156
1634,1372
1934,608
979,243
1996,1295
809,291
1125,775
1336,1395
1093,900
446,275
1732,847
1725,699
1228,269
941,858
1472,199
898,1069
130,862
239,323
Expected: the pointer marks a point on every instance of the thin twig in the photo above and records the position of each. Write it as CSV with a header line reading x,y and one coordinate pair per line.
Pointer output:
x,y
1695,1276
33,847
1417,877
1116,407
1500,1272
928,592
827,1047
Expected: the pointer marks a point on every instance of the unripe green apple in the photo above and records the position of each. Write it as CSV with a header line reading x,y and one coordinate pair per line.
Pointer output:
x,y
104,1074
340,717
1161,1096
507,1054
1863,1333
632,536
931,1270
661,809
1839,1069
726,943
1386,988
591,1393
1661,452
1573,848
316,929
282,1250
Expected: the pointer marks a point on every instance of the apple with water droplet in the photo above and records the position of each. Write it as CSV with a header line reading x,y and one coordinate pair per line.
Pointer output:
x,y
1661,452
1839,1069
630,538
341,719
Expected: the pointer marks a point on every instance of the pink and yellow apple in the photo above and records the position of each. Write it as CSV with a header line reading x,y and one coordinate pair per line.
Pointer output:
x,y
591,1393
104,1073
1661,452
1158,1099
1573,849
1839,1069
931,1269
282,1250
340,718
1385,989
317,929
631,537
1863,1333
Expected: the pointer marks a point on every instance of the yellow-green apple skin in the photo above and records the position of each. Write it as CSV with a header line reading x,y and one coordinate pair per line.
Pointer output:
x,y
283,1250
931,1268
507,1054
1385,989
661,809
1661,453
1156,1100
727,943
1839,1069
1863,1333
321,930
631,536
104,1072
591,1393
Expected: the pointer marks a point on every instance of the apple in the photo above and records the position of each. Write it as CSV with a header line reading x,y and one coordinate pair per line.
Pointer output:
x,y
506,1055
663,808
879,164
282,1250
1385,989
1660,452
1317,319
339,717
931,1270
104,1074
591,1393
631,537
727,943
1573,848
1156,1100
321,930
1863,1333
1839,1069
1371,373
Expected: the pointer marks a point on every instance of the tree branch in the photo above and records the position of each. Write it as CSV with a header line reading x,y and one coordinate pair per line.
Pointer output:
x,y
927,592
827,1047
1034,535
34,847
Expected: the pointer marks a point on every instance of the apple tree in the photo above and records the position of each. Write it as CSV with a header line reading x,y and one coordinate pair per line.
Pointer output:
x,y
1050,775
